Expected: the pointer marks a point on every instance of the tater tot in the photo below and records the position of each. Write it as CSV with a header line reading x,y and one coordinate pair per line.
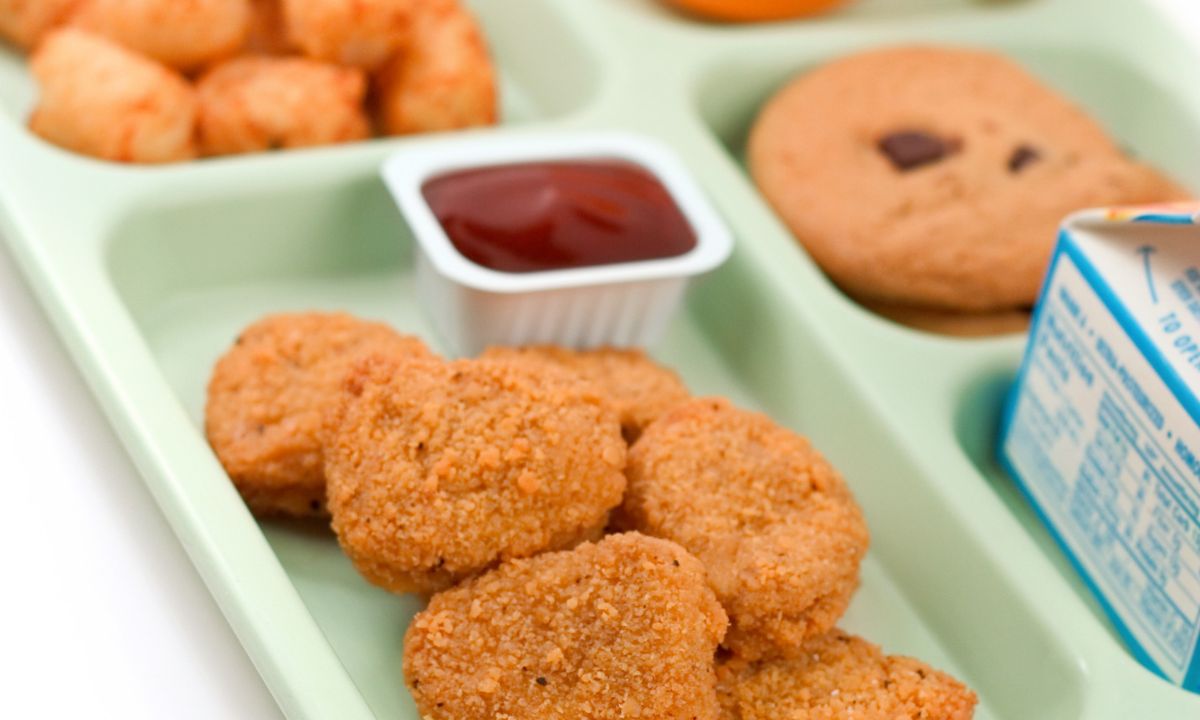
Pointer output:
x,y
24,22
184,34
363,33
251,104
268,35
443,79
100,99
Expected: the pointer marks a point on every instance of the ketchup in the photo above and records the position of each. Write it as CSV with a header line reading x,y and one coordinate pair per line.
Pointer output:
x,y
529,217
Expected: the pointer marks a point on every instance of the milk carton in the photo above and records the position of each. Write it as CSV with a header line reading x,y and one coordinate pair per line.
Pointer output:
x,y
1102,430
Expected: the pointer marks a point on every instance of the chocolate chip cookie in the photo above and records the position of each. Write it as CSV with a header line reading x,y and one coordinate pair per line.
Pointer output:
x,y
936,178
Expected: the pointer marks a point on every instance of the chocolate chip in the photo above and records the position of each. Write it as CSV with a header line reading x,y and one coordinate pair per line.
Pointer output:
x,y
541,680
910,149
1022,156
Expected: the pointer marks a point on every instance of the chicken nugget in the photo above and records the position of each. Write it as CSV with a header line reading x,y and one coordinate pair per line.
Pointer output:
x,y
183,34
837,675
99,99
252,104
641,389
268,396
774,524
624,628
438,472
362,33
443,78
24,22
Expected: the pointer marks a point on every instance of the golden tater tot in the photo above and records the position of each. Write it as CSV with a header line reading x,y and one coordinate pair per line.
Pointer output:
x,y
102,100
184,34
443,79
363,33
251,104
24,22
268,35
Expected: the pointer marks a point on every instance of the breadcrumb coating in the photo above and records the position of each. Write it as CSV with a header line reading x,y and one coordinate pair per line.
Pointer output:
x,y
641,389
268,396
774,524
438,471
624,628
838,676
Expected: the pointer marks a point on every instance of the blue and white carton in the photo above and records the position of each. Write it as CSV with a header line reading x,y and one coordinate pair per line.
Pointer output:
x,y
1102,429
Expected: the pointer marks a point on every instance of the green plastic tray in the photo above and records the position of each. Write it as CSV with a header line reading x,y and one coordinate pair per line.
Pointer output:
x,y
148,273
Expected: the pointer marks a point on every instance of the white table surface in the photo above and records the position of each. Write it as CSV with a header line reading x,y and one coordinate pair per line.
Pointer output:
x,y
101,612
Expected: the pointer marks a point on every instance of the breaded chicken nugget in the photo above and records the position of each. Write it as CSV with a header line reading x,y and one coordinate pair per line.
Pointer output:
x,y
439,471
362,33
251,104
837,675
641,389
443,78
99,99
183,34
268,396
625,628
24,22
774,524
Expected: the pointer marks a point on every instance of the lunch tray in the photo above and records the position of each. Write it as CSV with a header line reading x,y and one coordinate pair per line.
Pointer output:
x,y
149,273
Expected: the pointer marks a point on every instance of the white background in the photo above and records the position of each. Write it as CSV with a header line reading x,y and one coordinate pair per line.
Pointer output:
x,y
101,613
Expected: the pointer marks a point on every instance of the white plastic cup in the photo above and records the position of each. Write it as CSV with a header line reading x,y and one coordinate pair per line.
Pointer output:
x,y
620,304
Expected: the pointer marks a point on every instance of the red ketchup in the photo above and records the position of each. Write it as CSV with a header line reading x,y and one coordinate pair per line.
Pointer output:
x,y
529,217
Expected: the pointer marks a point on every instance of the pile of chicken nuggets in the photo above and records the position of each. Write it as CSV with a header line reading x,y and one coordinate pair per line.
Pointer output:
x,y
595,542
154,81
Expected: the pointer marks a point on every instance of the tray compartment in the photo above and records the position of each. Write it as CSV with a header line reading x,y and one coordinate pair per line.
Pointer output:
x,y
192,273
977,425
530,88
